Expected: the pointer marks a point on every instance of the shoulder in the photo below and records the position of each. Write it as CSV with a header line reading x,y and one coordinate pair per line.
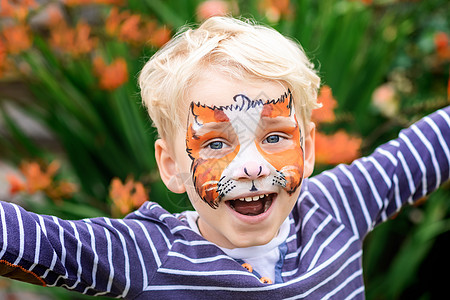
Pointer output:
x,y
174,226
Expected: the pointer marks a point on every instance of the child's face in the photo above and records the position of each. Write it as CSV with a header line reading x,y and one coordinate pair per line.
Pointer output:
x,y
241,158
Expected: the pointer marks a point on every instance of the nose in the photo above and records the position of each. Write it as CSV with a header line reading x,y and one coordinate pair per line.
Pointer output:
x,y
251,170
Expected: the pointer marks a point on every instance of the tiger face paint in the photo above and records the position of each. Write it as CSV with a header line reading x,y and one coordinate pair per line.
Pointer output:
x,y
245,148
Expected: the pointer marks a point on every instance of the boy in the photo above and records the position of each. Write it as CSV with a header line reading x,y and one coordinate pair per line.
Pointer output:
x,y
231,102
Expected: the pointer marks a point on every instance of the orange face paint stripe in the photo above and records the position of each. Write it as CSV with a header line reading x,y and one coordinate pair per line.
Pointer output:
x,y
278,108
205,114
210,170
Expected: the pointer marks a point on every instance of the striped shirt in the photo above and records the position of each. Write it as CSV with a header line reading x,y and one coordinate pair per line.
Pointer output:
x,y
154,254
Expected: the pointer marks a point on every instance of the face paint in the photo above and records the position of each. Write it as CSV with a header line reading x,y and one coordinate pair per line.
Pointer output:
x,y
208,124
246,147
288,161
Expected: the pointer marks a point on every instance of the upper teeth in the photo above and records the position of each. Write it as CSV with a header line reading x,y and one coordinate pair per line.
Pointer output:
x,y
254,198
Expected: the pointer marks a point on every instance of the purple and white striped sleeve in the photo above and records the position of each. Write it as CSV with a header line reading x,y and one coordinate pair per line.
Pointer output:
x,y
401,171
97,256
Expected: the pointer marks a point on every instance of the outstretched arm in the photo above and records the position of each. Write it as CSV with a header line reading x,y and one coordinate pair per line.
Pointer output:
x,y
94,256
398,172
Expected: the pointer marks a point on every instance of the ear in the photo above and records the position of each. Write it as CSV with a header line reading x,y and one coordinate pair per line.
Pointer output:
x,y
309,149
168,169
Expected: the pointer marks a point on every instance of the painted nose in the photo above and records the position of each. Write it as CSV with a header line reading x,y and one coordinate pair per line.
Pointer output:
x,y
251,170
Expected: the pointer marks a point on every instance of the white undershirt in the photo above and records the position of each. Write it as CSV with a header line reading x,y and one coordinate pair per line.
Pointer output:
x,y
262,258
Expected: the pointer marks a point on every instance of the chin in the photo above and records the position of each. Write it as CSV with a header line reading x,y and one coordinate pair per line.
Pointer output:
x,y
250,239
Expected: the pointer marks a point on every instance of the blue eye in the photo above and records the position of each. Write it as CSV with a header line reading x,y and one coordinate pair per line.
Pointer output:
x,y
216,145
272,139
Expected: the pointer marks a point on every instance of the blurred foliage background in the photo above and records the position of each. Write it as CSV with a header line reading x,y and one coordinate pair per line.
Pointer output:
x,y
68,70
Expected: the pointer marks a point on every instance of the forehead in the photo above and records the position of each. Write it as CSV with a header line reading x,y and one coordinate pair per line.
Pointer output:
x,y
219,89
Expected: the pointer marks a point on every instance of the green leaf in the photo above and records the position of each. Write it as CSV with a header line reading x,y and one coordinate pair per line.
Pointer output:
x,y
167,14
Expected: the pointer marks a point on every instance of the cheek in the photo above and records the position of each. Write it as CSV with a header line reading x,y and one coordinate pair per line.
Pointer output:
x,y
288,161
292,168
206,173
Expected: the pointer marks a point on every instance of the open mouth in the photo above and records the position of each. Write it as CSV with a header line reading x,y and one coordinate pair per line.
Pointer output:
x,y
252,206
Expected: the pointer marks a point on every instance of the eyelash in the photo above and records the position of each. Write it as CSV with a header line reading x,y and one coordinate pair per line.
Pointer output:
x,y
273,141
209,145
279,136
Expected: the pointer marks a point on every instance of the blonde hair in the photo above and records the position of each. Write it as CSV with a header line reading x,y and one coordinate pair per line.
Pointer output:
x,y
239,48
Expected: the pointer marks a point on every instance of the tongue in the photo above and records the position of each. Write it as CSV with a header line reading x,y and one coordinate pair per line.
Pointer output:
x,y
249,208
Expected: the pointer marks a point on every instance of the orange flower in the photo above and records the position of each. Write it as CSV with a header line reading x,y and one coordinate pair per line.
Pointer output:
x,y
127,196
140,195
7,9
82,42
326,112
442,44
160,37
38,180
17,38
336,148
17,9
74,41
274,9
441,40
16,185
135,29
111,76
41,179
2,58
112,24
130,30
211,8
